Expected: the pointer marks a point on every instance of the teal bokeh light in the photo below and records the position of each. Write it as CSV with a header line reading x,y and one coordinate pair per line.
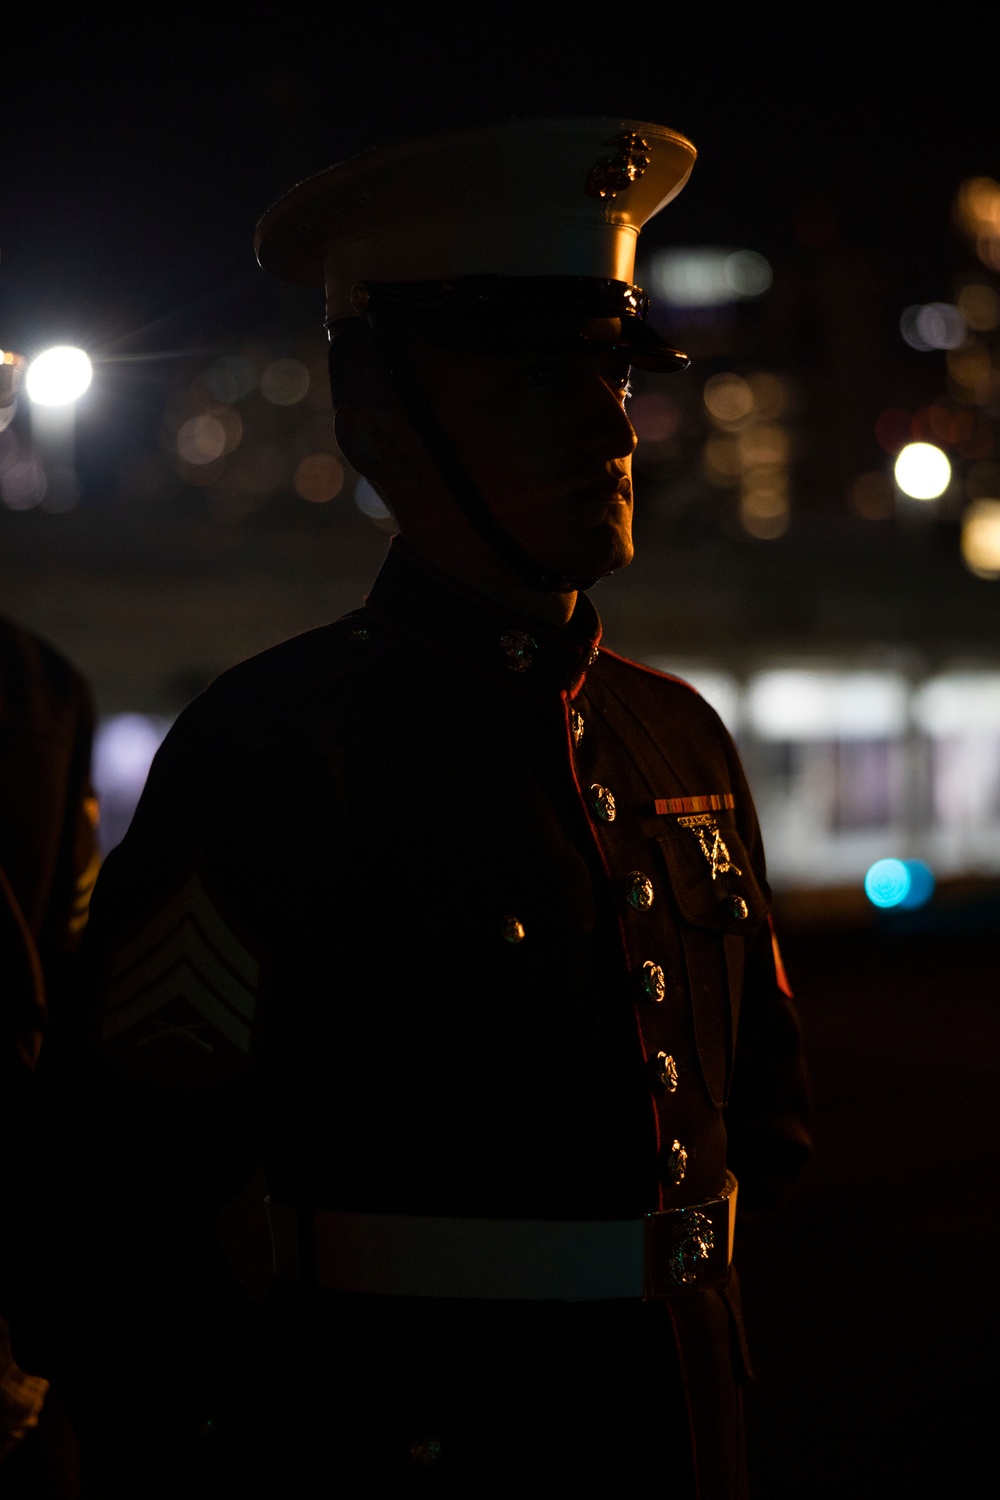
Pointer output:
x,y
887,882
906,883
921,885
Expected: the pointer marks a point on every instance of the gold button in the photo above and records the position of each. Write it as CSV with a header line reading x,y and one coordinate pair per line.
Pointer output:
x,y
512,930
677,1163
576,725
653,980
737,908
666,1072
603,803
638,890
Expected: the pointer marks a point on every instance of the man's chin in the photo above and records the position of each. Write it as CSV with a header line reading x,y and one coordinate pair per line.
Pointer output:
x,y
611,552
595,562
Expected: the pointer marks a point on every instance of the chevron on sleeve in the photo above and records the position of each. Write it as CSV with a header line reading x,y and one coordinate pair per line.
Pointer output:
x,y
184,978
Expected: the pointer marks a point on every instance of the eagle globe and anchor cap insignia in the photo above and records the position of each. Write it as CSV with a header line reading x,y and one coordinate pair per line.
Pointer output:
x,y
613,174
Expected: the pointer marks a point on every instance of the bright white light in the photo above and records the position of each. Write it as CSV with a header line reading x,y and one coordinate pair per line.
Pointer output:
x,y
707,277
922,471
59,376
797,705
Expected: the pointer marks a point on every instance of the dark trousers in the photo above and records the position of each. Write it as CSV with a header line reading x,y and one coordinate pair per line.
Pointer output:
x,y
393,1396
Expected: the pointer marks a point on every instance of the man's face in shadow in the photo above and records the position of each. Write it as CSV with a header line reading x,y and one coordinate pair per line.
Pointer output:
x,y
546,438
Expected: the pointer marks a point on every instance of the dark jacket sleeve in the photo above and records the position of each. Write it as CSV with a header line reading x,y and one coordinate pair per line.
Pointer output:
x,y
158,1127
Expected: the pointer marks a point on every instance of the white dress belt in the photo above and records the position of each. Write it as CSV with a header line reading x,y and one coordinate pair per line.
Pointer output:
x,y
576,1260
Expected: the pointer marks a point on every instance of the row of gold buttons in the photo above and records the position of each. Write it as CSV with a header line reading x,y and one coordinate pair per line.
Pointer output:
x,y
640,894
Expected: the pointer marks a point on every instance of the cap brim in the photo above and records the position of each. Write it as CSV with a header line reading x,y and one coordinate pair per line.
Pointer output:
x,y
646,349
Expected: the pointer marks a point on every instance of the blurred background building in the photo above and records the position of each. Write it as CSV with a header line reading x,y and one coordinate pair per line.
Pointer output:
x,y
818,520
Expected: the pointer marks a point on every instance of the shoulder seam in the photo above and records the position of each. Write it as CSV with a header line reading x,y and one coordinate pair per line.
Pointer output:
x,y
650,671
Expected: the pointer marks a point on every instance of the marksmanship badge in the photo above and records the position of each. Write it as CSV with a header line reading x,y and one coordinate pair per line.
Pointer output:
x,y
706,831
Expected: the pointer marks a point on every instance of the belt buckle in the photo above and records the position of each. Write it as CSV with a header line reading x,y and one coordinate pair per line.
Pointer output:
x,y
689,1249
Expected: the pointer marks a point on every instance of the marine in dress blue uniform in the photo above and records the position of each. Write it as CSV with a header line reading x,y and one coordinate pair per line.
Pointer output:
x,y
455,923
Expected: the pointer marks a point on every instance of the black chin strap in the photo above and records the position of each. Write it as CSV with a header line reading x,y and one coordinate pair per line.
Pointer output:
x,y
459,481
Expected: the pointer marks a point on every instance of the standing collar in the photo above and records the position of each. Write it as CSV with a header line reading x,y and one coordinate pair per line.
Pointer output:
x,y
457,622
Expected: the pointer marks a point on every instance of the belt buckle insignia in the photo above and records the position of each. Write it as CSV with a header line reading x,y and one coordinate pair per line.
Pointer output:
x,y
710,841
695,1240
689,1249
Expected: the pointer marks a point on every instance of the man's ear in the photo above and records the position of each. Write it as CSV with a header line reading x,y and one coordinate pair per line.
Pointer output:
x,y
370,439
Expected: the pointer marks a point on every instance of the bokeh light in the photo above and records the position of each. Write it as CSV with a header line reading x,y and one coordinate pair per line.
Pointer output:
x,y
958,704
903,883
934,325
706,277
284,382
11,373
764,512
978,203
887,882
921,884
789,703
765,445
922,471
231,378
728,398
748,273
319,477
980,541
59,376
772,395
943,421
970,371
201,440
370,502
22,480
124,746
980,307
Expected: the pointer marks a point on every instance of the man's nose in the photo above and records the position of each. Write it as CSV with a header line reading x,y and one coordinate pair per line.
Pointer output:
x,y
606,429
